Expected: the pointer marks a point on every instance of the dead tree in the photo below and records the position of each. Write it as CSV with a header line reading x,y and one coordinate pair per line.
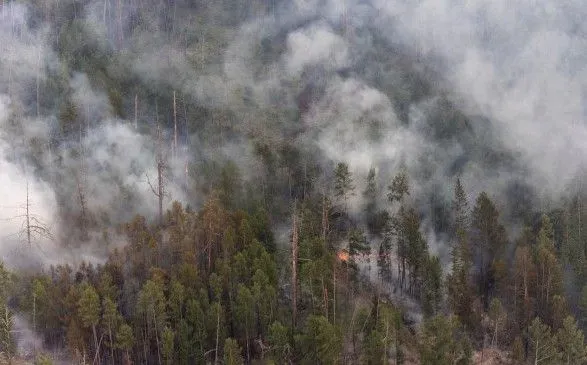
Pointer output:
x,y
80,182
136,111
161,165
174,127
324,218
33,229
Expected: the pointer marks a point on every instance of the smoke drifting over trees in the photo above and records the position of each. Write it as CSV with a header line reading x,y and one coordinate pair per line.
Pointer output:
x,y
250,106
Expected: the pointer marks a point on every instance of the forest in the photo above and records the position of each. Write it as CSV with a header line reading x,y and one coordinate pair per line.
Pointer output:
x,y
292,182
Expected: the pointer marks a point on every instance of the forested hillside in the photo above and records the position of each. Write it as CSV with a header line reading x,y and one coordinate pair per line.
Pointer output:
x,y
292,182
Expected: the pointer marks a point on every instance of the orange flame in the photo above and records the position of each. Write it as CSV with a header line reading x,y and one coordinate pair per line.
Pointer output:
x,y
343,255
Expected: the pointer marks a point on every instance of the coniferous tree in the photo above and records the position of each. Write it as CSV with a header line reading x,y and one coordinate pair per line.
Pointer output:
x,y
7,340
232,352
490,241
543,343
460,292
343,183
89,311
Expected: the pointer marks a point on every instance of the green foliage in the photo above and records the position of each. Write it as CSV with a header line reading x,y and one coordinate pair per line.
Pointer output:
x,y
167,348
279,341
543,343
432,286
518,353
43,359
7,340
343,182
490,241
321,341
232,353
571,342
124,337
89,306
442,343
399,187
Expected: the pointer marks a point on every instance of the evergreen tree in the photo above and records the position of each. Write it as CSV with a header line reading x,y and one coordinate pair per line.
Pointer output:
x,y
343,183
490,241
321,341
571,342
549,272
432,286
441,342
89,311
232,353
7,340
460,292
497,315
399,187
543,344
167,347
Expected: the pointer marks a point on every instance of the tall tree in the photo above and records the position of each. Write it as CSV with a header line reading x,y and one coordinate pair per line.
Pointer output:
x,y
497,315
294,266
543,344
343,183
441,342
549,272
232,353
89,312
460,292
490,240
571,342
7,340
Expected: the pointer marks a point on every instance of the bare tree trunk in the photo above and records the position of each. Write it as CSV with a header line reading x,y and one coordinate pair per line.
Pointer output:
x,y
96,341
136,111
28,216
120,28
157,338
294,266
174,127
38,83
334,293
324,218
217,333
160,191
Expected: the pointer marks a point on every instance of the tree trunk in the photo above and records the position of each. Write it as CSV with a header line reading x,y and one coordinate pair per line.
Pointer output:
x,y
334,293
174,126
324,218
111,342
95,341
217,334
294,268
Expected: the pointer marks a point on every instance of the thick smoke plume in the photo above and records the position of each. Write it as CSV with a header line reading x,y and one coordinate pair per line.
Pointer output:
x,y
491,92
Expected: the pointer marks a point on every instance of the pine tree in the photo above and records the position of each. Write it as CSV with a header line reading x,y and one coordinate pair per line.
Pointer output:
x,y
232,353
441,342
167,347
89,311
549,273
343,183
490,241
399,187
431,296
571,342
460,292
497,315
543,344
7,341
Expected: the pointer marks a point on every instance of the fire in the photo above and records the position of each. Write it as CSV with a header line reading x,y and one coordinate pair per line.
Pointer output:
x,y
343,255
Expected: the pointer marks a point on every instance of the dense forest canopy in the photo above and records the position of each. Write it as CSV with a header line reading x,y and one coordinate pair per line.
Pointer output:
x,y
304,182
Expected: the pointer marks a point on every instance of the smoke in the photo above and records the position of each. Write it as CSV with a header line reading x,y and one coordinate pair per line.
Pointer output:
x,y
491,92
